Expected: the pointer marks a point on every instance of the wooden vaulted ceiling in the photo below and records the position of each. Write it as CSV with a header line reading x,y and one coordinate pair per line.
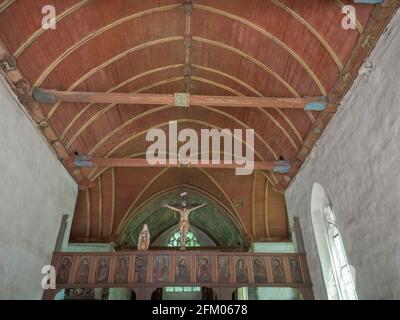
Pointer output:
x,y
275,48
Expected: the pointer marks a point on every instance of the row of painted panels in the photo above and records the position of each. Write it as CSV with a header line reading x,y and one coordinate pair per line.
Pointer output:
x,y
124,270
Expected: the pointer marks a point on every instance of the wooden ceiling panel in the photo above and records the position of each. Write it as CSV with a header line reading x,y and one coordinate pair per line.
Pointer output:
x,y
132,67
195,117
330,27
233,85
128,185
83,28
275,55
221,186
195,178
271,48
104,51
82,208
107,199
30,13
239,189
246,70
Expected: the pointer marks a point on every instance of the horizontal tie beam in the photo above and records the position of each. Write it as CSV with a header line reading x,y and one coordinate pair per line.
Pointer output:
x,y
88,162
179,100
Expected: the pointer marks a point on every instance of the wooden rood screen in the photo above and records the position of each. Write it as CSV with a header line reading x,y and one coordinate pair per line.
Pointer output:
x,y
165,268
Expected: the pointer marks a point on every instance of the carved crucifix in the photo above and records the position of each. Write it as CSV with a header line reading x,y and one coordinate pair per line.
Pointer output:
x,y
184,212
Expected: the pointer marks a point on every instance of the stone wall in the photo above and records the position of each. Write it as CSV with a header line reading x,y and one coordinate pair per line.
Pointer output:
x,y
357,161
35,191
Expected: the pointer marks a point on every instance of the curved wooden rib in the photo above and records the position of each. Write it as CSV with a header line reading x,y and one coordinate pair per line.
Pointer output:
x,y
92,178
268,35
127,212
261,109
359,26
143,153
164,40
250,58
94,173
257,93
110,106
310,28
120,85
113,59
205,123
133,137
125,124
92,119
36,35
96,33
217,84
158,175
226,195
153,110
4,5
244,125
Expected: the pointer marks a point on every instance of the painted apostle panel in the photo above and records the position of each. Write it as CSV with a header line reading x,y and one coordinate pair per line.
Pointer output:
x,y
203,269
140,275
121,269
182,269
241,270
161,268
224,272
82,272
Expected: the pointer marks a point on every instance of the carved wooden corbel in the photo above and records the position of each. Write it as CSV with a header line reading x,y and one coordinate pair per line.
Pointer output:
x,y
7,63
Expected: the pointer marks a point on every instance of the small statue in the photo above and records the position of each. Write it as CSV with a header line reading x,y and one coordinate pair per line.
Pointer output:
x,y
144,239
184,212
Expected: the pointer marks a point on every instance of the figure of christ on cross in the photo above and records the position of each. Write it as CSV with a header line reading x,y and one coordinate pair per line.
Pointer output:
x,y
184,212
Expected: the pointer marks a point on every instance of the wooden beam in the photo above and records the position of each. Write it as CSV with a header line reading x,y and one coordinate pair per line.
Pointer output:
x,y
179,100
252,102
82,161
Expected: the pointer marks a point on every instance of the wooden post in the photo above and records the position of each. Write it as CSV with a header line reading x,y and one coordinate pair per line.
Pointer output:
x,y
224,293
143,293
61,233
298,235
307,293
50,294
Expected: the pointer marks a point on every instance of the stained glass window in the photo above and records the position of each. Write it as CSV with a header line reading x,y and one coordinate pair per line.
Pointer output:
x,y
342,279
339,276
191,240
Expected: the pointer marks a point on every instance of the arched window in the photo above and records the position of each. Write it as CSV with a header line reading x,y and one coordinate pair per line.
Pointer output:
x,y
191,240
337,272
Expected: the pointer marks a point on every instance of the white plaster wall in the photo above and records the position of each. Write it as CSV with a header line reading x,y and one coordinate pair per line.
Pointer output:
x,y
35,191
357,161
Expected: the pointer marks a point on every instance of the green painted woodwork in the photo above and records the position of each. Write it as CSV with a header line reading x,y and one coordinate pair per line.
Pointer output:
x,y
213,219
